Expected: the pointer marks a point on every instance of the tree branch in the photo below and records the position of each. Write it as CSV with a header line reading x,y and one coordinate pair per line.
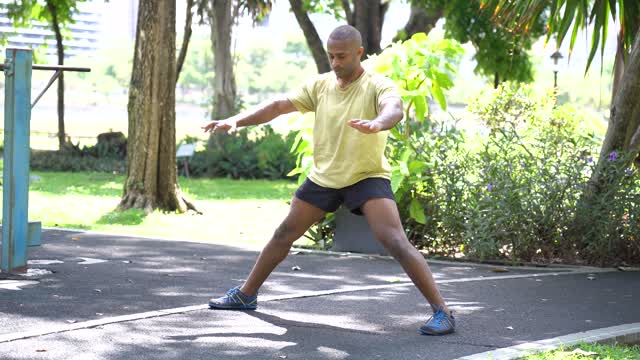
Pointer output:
x,y
311,35
185,39
347,12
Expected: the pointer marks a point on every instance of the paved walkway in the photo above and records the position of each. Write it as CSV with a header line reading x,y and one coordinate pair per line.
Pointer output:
x,y
116,297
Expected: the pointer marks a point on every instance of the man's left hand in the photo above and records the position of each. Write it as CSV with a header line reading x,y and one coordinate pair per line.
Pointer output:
x,y
365,126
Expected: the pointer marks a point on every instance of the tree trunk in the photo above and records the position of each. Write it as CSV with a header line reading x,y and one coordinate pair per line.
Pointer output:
x,y
420,20
348,13
185,38
496,80
623,134
224,84
311,35
368,16
60,52
624,121
151,180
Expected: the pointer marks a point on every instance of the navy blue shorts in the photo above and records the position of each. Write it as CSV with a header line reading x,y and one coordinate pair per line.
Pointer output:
x,y
352,196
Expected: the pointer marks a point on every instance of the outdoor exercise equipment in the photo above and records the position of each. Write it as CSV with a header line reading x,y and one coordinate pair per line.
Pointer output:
x,y
17,232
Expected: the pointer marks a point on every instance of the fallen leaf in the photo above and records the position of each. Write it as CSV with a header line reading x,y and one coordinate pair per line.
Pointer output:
x,y
394,280
282,356
97,290
75,238
510,327
628,268
127,261
581,352
41,350
500,270
72,321
296,268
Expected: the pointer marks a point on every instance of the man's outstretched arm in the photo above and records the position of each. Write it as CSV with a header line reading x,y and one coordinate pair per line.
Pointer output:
x,y
259,115
390,114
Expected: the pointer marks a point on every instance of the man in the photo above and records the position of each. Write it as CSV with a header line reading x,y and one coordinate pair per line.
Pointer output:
x,y
353,109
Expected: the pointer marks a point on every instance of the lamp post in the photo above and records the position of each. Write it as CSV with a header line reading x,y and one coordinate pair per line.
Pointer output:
x,y
556,56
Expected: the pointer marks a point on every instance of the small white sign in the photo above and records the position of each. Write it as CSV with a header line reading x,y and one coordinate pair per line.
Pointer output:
x,y
186,150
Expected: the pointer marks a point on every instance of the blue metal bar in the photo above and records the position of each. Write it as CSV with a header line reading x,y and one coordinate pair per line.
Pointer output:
x,y
15,229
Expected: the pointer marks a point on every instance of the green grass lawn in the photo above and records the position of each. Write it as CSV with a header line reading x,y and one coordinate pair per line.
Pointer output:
x,y
590,351
235,212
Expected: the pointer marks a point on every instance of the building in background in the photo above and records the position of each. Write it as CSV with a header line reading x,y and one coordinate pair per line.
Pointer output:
x,y
97,23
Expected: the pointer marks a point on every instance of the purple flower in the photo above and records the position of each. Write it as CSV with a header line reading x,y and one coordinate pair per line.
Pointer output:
x,y
523,164
628,171
490,187
613,156
590,159
420,150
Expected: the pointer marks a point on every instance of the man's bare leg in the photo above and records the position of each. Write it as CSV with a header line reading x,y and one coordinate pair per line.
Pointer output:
x,y
300,218
384,220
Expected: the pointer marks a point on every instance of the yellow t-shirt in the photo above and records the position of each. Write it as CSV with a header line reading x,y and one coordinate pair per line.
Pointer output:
x,y
342,155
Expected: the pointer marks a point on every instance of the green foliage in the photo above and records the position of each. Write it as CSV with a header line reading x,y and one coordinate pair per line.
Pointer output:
x,y
259,73
615,351
567,17
24,12
497,50
65,160
331,7
611,234
422,67
108,155
197,73
531,169
263,154
430,186
272,152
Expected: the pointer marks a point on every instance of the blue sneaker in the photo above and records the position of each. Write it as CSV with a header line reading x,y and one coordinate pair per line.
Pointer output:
x,y
234,300
439,324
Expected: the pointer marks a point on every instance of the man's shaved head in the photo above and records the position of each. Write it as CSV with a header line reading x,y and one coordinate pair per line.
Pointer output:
x,y
347,33
344,48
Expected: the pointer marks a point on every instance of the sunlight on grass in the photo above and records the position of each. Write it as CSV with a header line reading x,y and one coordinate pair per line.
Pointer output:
x,y
590,351
235,212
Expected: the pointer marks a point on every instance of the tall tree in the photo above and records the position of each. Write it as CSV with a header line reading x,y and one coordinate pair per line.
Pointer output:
x,y
151,180
368,17
423,18
365,15
311,35
222,15
57,14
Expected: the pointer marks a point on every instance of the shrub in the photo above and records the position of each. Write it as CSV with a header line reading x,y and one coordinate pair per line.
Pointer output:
x,y
108,155
245,154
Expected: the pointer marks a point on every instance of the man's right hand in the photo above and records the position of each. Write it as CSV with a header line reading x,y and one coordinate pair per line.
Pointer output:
x,y
216,126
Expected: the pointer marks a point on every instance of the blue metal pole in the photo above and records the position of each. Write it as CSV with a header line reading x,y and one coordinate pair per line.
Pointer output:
x,y
17,115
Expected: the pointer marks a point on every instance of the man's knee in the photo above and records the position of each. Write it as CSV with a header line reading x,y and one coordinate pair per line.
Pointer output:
x,y
396,244
283,234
